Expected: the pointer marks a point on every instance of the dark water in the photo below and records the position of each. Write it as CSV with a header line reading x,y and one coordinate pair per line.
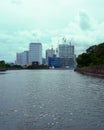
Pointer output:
x,y
51,100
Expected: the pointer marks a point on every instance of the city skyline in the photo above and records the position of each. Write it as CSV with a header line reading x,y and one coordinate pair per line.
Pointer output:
x,y
61,57
48,21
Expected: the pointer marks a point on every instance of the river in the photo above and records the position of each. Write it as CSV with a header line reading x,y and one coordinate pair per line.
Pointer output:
x,y
51,100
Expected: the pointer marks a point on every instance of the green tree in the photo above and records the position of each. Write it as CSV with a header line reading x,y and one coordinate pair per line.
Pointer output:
x,y
2,64
83,60
94,56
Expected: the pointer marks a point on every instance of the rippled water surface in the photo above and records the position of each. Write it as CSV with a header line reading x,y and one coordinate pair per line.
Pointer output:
x,y
51,100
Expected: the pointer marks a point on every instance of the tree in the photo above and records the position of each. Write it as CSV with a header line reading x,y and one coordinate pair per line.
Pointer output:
x,y
2,64
94,56
84,60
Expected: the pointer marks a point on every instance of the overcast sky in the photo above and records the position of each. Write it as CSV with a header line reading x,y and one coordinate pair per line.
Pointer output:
x,y
48,21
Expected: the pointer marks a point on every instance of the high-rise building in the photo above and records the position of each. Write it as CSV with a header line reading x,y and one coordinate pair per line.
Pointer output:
x,y
18,58
25,58
66,53
35,52
49,53
66,50
22,58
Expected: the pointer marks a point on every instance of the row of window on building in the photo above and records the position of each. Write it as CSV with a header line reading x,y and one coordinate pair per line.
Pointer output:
x,y
63,57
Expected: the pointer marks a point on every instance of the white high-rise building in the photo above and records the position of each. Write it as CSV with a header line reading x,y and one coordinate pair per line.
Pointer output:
x,y
49,53
35,52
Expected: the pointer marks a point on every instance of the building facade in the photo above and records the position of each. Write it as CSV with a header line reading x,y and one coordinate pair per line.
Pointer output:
x,y
66,50
25,58
54,62
22,58
18,58
66,53
49,53
35,52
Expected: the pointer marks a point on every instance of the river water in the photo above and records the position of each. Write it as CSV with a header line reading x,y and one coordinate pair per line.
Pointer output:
x,y
51,100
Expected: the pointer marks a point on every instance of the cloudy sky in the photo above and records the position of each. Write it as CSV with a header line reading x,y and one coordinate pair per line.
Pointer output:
x,y
48,21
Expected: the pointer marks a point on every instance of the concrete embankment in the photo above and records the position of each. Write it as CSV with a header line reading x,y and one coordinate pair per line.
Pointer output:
x,y
95,70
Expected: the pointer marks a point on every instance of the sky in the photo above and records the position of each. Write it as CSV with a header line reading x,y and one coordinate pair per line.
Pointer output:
x,y
80,22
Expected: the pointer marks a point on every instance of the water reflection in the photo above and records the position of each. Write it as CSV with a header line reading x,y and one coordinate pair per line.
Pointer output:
x,y
2,73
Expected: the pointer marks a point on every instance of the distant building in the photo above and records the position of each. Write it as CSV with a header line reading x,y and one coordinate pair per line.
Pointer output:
x,y
57,54
49,53
54,62
67,63
66,50
25,58
18,58
35,52
43,61
66,53
22,58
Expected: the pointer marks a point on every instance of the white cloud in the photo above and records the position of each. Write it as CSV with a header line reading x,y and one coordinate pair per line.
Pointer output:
x,y
83,32
48,21
82,38
84,21
16,1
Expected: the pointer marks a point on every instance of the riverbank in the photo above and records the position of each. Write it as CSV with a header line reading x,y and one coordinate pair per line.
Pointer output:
x,y
94,71
3,69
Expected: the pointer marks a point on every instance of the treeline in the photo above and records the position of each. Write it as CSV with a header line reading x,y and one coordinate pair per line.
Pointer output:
x,y
92,62
94,56
2,64
6,66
